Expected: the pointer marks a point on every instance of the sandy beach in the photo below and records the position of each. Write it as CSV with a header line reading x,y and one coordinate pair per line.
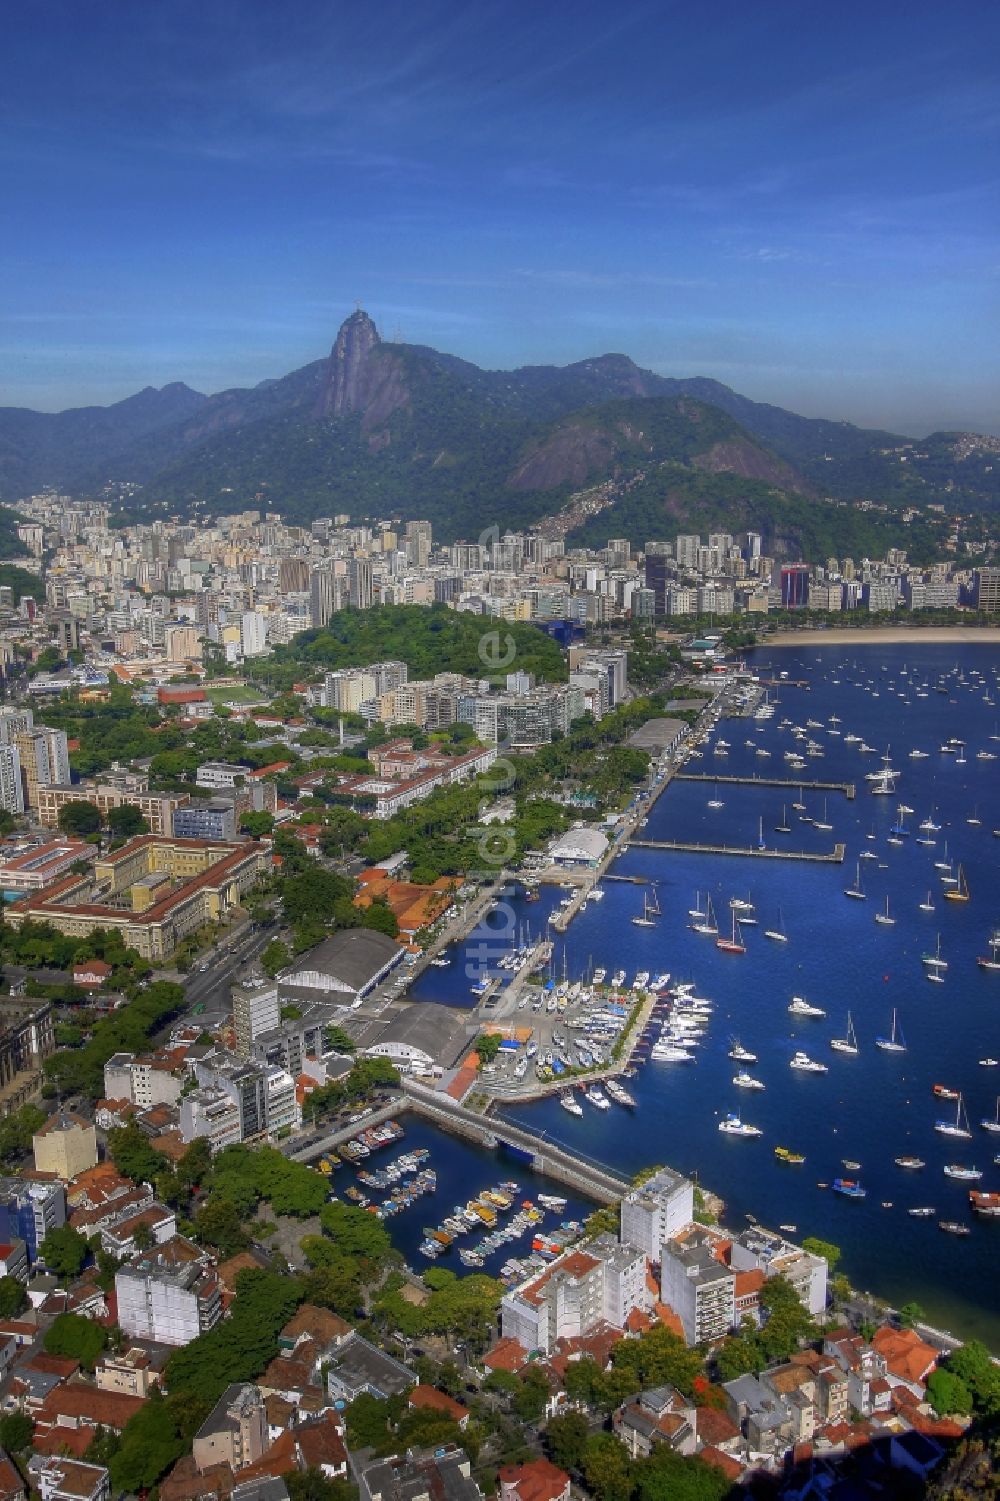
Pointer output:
x,y
887,635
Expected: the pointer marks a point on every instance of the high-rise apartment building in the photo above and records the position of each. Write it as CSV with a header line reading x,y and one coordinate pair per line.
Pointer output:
x,y
11,787
659,573
359,583
14,722
293,576
322,596
44,755
986,589
794,586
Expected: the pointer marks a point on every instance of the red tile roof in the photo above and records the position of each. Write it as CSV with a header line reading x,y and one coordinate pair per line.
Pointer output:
x,y
506,1355
107,1409
730,1467
322,1443
429,1397
538,1480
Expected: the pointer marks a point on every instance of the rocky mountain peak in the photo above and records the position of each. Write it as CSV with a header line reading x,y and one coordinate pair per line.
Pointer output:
x,y
346,385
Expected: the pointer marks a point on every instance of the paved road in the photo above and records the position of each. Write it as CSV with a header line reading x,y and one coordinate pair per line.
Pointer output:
x,y
211,987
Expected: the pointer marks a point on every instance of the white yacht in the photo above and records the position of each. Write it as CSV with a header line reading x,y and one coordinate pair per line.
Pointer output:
x,y
740,1054
807,1065
733,1126
801,1007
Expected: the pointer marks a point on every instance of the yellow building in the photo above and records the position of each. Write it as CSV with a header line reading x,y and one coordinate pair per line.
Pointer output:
x,y
154,891
66,1145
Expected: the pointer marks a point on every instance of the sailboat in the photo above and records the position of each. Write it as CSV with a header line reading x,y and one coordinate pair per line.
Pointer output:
x,y
894,1043
697,911
884,917
778,934
988,1123
707,923
934,961
734,945
760,836
856,891
822,823
992,959
899,827
650,912
784,827
960,1125
716,801
848,1044
928,905
960,891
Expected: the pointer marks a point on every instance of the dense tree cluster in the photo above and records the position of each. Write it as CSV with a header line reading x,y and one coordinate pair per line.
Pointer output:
x,y
428,640
787,1326
239,1348
459,1308
127,1030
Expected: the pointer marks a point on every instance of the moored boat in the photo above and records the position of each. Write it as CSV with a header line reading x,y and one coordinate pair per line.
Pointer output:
x,y
894,1043
847,1043
801,1007
734,1126
804,1064
794,1159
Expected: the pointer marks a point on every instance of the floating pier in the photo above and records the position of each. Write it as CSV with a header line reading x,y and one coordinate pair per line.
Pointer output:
x,y
835,856
847,788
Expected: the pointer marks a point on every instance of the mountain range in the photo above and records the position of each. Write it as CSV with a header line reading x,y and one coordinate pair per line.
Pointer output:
x,y
383,429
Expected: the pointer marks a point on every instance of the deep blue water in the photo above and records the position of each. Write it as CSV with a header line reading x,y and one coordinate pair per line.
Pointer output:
x,y
877,1105
872,1107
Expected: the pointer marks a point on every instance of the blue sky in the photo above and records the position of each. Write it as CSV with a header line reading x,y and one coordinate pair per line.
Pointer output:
x,y
798,199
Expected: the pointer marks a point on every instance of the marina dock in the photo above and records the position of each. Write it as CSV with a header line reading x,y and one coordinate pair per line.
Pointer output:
x,y
847,788
835,857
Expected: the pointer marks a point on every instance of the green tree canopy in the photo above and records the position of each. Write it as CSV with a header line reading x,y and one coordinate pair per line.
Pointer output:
x,y
79,1338
16,1432
79,818
64,1252
948,1393
126,821
565,1438
13,1297
275,957
132,1154
607,1468
239,1348
972,1364
824,1248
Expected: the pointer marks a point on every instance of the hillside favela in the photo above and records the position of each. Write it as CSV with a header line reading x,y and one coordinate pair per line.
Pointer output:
x,y
499,786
